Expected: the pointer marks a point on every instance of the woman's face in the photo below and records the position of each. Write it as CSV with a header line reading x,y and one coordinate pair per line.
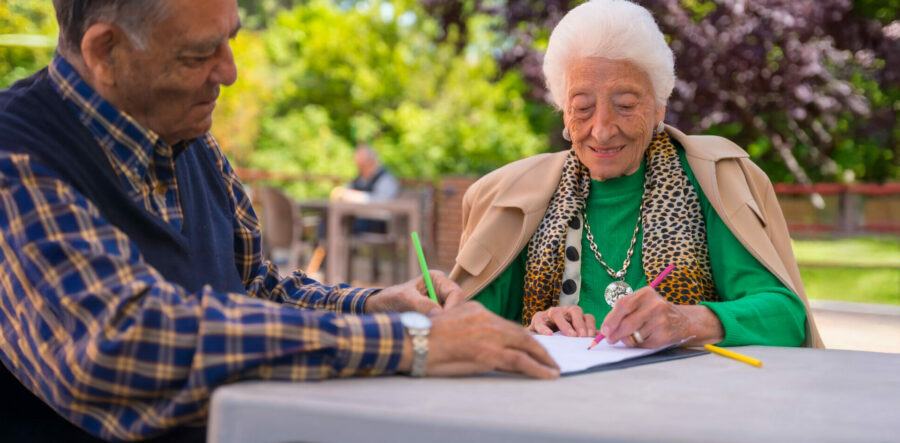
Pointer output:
x,y
610,111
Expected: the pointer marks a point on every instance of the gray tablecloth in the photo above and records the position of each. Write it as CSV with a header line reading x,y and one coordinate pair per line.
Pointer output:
x,y
799,395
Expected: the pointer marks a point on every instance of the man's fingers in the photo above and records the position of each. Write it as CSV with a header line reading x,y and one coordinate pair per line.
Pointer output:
x,y
425,305
448,292
469,339
513,360
523,341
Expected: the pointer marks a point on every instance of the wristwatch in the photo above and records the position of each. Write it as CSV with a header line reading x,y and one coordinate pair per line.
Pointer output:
x,y
417,326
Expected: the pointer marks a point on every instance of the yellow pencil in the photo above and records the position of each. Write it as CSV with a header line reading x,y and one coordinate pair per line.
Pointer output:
x,y
734,355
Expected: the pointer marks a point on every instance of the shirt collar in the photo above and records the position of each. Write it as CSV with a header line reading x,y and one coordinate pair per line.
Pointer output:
x,y
129,145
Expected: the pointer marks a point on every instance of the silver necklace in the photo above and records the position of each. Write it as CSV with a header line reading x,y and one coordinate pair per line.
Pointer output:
x,y
618,288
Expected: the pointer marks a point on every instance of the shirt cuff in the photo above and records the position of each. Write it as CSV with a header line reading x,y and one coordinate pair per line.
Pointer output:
x,y
369,344
766,319
352,300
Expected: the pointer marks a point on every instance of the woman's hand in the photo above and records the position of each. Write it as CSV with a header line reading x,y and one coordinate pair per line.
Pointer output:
x,y
570,320
659,323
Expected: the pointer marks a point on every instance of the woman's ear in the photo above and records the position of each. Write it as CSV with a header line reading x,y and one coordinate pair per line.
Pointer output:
x,y
97,47
660,113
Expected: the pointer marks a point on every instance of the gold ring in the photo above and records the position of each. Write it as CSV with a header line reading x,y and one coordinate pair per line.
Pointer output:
x,y
636,336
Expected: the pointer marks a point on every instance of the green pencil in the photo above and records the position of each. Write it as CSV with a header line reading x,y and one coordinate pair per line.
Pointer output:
x,y
425,274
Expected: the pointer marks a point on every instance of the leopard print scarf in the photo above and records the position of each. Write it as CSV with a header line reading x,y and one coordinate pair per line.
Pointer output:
x,y
671,210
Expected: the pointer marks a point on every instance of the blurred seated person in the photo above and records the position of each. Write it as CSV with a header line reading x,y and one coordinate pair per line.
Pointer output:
x,y
373,184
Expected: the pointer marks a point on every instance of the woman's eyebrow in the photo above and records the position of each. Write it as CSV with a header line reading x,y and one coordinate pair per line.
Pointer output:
x,y
626,89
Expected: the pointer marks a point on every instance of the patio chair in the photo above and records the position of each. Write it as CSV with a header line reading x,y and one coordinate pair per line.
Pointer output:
x,y
282,229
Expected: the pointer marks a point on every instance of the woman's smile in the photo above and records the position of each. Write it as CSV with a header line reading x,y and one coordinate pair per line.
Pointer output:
x,y
606,152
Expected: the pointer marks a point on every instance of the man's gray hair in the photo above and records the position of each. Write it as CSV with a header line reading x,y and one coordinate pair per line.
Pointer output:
x,y
368,151
134,17
613,29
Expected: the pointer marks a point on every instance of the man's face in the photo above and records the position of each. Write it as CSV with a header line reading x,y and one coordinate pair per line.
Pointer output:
x,y
364,163
172,86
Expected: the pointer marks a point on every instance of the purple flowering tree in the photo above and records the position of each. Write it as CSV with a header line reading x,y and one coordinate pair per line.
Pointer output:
x,y
808,87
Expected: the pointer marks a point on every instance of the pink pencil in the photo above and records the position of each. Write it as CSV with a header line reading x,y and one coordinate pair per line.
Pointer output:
x,y
659,278
597,339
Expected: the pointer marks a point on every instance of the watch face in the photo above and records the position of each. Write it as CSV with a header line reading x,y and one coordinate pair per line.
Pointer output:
x,y
415,320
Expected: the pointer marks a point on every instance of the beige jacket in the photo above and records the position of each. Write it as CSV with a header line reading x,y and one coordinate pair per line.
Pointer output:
x,y
502,210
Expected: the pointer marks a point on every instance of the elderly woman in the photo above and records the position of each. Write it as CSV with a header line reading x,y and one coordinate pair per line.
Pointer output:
x,y
559,241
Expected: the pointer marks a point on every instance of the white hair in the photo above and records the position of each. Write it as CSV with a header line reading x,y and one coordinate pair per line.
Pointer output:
x,y
613,29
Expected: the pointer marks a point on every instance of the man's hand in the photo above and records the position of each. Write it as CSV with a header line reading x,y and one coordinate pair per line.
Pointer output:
x,y
348,195
469,339
413,296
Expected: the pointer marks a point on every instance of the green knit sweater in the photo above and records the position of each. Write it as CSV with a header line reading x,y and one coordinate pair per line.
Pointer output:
x,y
755,308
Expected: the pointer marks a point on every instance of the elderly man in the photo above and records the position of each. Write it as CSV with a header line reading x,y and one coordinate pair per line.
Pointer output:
x,y
374,182
131,278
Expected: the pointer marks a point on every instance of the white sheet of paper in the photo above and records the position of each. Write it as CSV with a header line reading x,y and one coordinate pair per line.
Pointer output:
x,y
572,355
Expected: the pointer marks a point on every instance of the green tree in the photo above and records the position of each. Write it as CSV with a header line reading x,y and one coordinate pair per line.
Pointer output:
x,y
333,76
28,33
809,87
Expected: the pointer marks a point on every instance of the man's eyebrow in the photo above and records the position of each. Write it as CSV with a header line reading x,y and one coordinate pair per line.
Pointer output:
x,y
211,43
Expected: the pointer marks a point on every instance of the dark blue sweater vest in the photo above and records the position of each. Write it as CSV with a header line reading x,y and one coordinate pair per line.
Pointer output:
x,y
34,120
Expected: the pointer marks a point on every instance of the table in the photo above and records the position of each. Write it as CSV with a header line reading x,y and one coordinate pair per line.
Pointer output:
x,y
339,215
799,395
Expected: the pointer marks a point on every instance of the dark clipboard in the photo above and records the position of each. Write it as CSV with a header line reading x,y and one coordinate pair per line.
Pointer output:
x,y
674,353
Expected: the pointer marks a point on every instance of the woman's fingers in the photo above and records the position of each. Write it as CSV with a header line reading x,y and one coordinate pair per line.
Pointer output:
x,y
656,324
571,321
576,316
541,324
590,322
636,321
642,312
559,317
624,306
657,336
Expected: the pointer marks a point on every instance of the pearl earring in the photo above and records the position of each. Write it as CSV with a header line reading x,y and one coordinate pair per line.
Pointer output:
x,y
660,127
566,135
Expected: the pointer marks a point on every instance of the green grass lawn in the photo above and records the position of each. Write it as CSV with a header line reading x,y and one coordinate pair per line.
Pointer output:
x,y
871,271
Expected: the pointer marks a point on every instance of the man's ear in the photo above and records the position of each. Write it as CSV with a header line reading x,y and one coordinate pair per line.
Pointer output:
x,y
97,47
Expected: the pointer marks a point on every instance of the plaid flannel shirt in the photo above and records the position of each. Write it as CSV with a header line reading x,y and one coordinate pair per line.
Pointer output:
x,y
111,345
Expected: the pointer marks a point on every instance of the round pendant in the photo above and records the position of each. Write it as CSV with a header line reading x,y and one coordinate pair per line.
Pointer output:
x,y
615,291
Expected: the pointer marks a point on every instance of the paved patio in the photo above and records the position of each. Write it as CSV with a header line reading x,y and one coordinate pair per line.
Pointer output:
x,y
858,326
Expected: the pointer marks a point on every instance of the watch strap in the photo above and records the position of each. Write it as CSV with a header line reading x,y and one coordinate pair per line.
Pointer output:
x,y
419,339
